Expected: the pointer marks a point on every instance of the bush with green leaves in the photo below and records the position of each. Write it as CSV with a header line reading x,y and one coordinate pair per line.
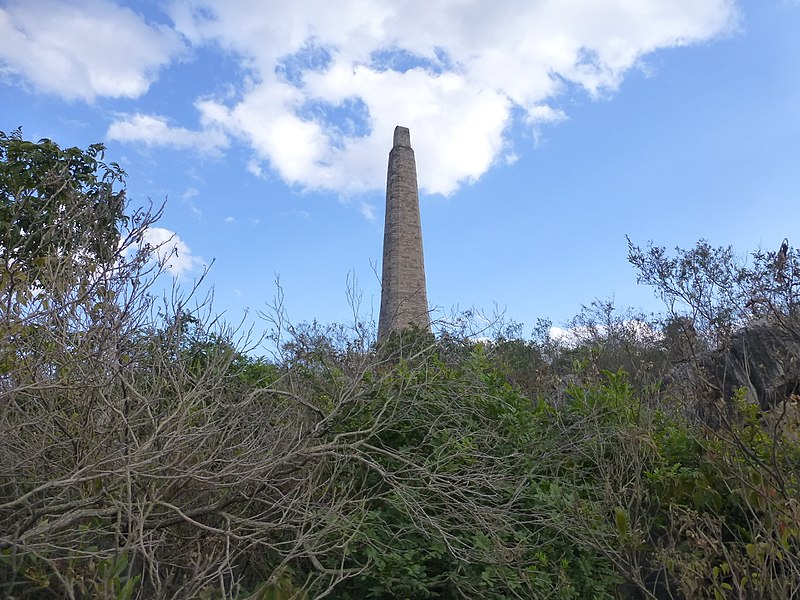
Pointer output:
x,y
145,454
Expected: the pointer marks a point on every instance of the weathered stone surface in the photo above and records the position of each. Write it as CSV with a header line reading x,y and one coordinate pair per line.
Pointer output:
x,y
762,358
404,298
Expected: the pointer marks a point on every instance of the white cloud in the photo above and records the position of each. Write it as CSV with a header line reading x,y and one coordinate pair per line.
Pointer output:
x,y
330,80
326,82
157,131
171,251
254,168
83,49
367,210
573,336
187,198
230,219
189,193
545,114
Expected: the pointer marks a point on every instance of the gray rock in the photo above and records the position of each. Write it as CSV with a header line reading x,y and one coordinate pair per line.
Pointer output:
x,y
762,359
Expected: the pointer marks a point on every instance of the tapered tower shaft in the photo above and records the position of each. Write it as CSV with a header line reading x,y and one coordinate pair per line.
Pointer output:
x,y
404,300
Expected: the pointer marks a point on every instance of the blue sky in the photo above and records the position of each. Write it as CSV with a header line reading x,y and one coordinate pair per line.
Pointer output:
x,y
545,132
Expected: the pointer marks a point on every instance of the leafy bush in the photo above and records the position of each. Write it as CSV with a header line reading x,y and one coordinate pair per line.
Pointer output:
x,y
144,454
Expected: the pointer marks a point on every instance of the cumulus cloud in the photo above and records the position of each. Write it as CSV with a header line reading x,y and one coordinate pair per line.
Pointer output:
x,y
83,48
331,80
325,83
171,251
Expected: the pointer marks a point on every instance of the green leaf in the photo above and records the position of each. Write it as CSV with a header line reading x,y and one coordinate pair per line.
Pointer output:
x,y
126,593
623,523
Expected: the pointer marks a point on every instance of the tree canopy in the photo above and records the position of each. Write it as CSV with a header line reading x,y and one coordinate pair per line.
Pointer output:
x,y
57,206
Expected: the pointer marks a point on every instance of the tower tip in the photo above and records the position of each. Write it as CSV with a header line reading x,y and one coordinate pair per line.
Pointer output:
x,y
402,136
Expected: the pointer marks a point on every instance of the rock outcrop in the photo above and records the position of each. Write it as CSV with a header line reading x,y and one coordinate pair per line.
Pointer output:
x,y
762,359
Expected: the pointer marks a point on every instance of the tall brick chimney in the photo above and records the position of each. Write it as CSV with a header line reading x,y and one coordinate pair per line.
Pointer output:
x,y
404,300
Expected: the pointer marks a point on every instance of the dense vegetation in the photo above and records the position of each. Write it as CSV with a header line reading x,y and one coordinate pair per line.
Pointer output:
x,y
145,454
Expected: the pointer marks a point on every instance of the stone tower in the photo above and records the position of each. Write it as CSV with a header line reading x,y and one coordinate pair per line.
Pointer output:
x,y
404,300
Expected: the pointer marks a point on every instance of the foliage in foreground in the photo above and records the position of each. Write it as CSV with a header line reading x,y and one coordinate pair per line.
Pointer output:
x,y
143,455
